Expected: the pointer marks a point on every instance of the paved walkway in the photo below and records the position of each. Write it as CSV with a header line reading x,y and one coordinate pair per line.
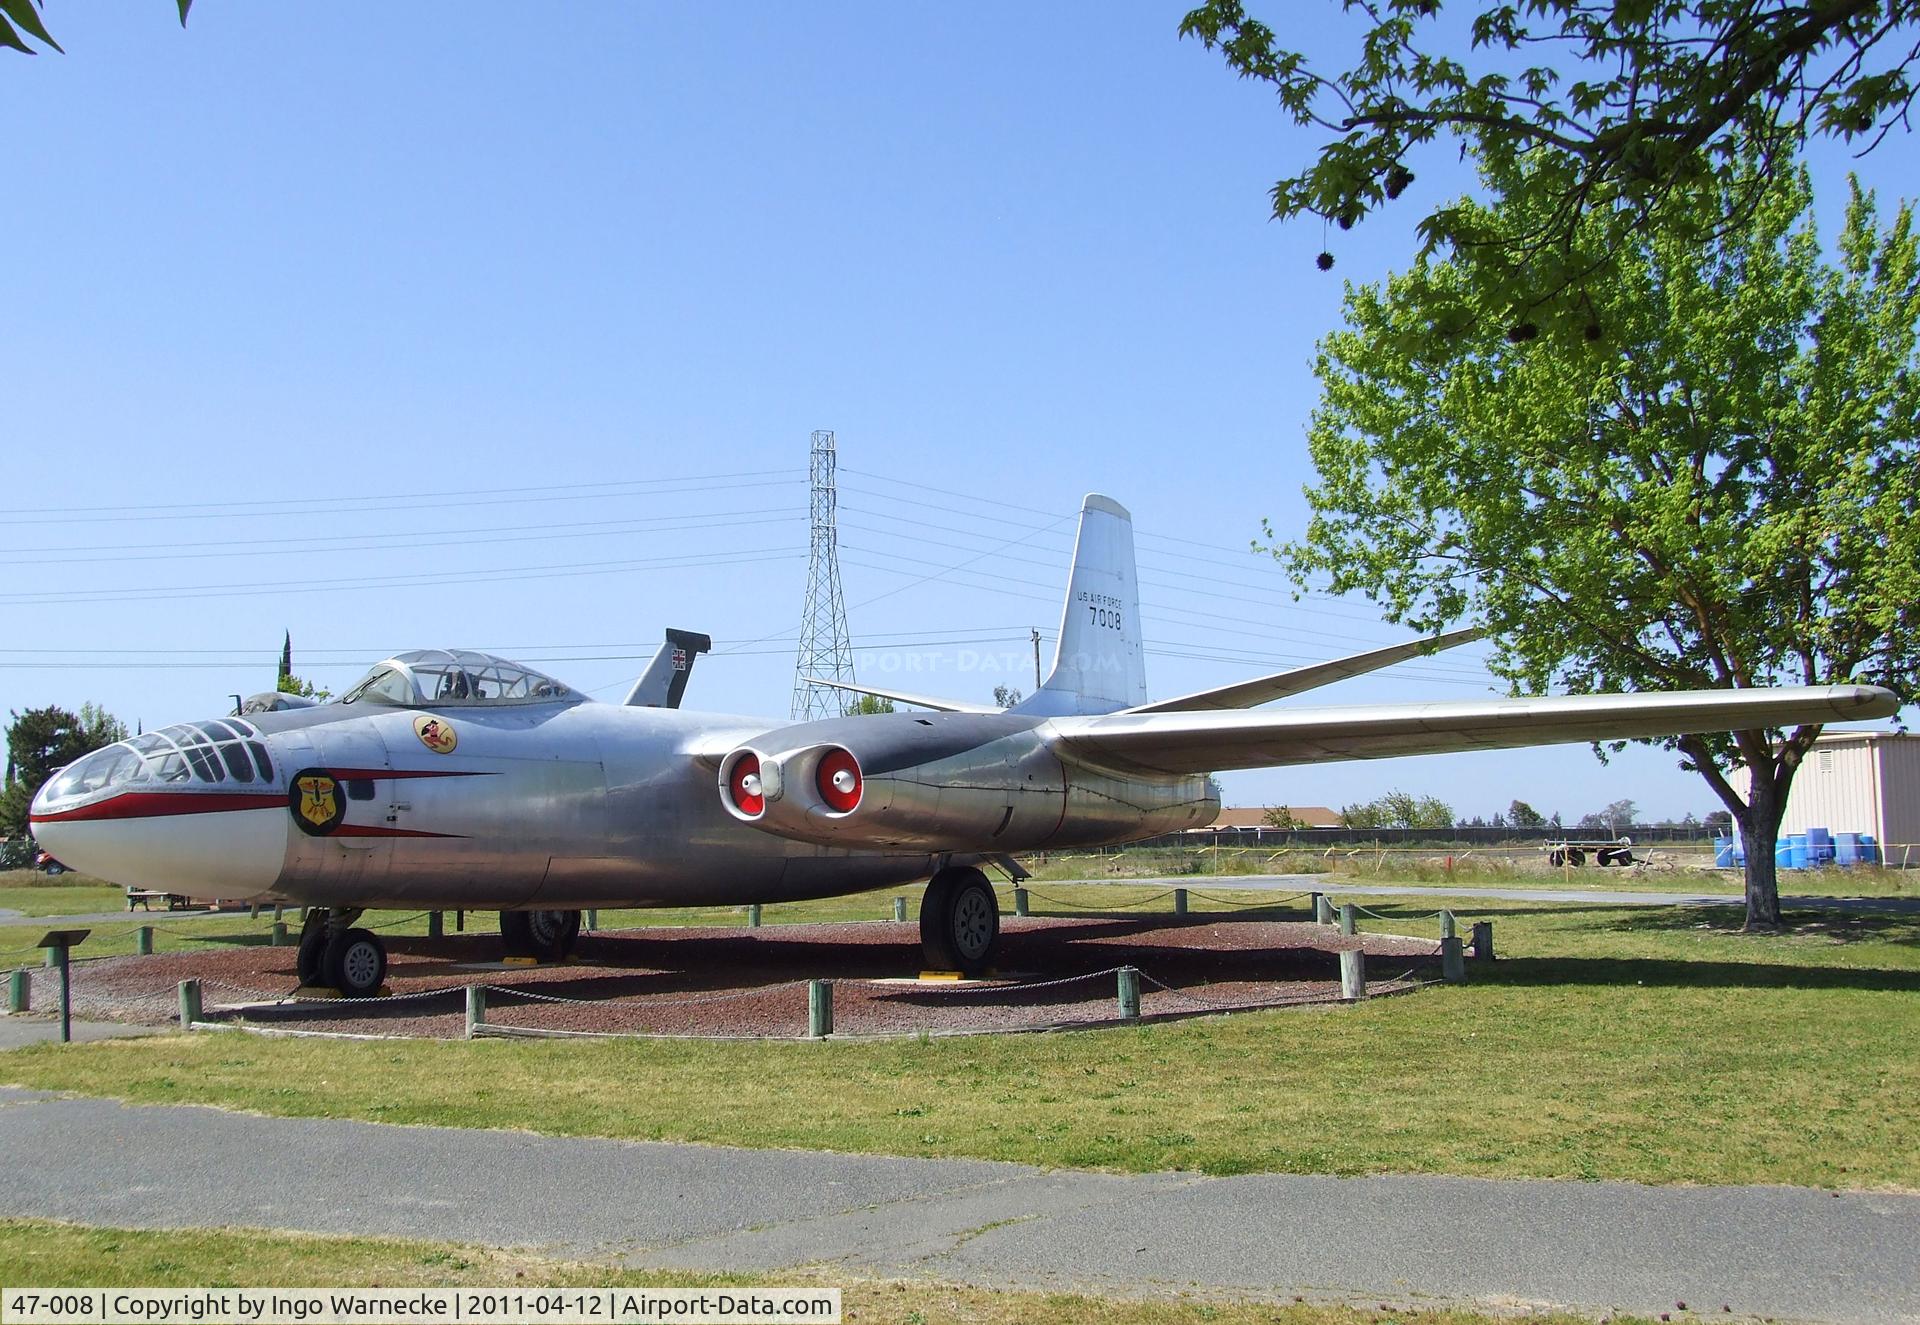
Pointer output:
x,y
1301,883
1772,1251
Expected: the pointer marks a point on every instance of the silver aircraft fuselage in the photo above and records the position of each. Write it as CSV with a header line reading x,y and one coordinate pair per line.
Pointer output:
x,y
562,805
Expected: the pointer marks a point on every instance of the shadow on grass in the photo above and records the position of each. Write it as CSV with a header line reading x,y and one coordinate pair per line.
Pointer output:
x,y
1626,972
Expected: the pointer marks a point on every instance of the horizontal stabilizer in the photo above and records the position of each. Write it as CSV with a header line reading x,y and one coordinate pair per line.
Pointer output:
x,y
902,697
1174,743
1264,689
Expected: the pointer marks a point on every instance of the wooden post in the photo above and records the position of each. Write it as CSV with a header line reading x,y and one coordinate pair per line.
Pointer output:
x,y
1483,940
1353,975
1129,993
189,1003
279,912
1322,909
476,1009
66,995
1453,962
436,925
899,908
20,991
753,916
1020,904
50,957
592,921
1346,918
819,1009
143,941
1449,927
279,934
459,922
1179,901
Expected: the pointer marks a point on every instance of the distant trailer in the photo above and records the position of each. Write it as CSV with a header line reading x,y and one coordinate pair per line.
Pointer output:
x,y
1574,851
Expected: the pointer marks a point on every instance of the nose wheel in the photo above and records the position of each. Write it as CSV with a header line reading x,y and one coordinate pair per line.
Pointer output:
x,y
959,921
334,955
546,936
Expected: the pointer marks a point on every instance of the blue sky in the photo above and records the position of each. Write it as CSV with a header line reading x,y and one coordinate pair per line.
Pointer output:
x,y
529,322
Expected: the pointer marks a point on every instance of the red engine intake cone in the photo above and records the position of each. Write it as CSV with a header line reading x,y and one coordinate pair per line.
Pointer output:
x,y
743,784
838,778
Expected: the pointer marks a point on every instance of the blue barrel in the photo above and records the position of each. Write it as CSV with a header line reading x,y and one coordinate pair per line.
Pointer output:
x,y
1846,849
1796,851
1723,849
1819,847
1869,850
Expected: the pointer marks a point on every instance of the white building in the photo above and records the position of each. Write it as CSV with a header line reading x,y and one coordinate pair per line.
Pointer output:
x,y
1858,782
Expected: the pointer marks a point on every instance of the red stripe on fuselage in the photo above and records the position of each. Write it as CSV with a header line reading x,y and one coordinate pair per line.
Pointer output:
x,y
357,773
370,830
162,804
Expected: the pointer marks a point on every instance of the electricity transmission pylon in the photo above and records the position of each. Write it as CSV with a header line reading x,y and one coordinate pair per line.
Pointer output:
x,y
825,651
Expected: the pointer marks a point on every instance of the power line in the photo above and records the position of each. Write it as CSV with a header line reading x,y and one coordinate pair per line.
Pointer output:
x,y
599,492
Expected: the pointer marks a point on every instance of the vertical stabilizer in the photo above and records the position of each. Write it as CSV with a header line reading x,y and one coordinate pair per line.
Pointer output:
x,y
665,680
1099,665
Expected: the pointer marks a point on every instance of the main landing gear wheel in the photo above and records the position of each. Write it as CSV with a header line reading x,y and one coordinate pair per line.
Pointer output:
x,y
312,959
959,921
547,936
356,963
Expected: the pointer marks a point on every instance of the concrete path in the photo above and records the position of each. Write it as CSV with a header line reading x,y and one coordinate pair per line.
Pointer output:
x,y
1772,1251
1301,883
109,917
19,1031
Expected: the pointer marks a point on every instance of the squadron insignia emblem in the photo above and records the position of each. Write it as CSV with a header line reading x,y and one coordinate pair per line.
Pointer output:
x,y
317,801
436,734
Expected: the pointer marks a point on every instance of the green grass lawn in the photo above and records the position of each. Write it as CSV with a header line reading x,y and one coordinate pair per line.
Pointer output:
x,y
1652,1045
45,1254
37,894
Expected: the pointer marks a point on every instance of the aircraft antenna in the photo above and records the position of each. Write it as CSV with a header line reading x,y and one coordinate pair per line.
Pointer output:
x,y
826,652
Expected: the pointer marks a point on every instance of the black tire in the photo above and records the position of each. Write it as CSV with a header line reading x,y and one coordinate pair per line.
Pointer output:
x,y
356,963
1556,858
959,922
311,961
546,936
1576,857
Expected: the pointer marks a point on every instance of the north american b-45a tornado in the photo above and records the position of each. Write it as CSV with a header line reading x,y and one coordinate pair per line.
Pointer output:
x,y
454,779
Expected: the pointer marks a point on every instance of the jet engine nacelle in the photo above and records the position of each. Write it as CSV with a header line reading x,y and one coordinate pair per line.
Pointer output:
x,y
948,782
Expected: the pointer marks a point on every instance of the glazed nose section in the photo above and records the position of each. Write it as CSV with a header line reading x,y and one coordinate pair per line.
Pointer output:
x,y
171,810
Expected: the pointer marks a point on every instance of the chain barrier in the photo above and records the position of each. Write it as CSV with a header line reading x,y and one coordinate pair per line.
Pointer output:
x,y
1111,906
643,1000
1000,988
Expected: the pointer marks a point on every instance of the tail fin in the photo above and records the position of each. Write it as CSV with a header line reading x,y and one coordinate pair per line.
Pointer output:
x,y
1099,665
665,679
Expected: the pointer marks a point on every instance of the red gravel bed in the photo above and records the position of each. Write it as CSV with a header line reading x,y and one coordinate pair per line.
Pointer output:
x,y
741,983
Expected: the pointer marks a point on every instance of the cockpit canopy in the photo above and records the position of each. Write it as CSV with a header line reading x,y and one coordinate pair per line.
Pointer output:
x,y
223,750
455,676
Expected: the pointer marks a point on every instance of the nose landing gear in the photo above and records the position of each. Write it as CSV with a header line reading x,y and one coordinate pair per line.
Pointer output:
x,y
334,955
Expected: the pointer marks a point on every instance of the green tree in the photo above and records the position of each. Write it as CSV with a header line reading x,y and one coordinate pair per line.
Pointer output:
x,y
1399,809
1721,494
1632,112
42,741
1522,815
1613,819
869,704
1005,696
1281,816
18,17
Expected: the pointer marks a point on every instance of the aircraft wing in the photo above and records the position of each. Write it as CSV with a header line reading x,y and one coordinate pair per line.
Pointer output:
x,y
1168,743
902,697
1262,689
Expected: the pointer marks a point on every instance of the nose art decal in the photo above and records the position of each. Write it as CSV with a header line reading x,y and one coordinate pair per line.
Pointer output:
x,y
318,802
435,733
